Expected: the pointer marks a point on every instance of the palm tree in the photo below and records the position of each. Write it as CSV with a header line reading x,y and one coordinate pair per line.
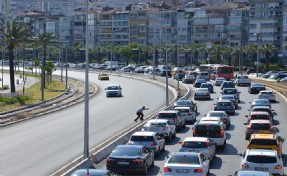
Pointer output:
x,y
195,49
228,52
186,50
252,49
217,51
14,34
268,49
174,49
77,49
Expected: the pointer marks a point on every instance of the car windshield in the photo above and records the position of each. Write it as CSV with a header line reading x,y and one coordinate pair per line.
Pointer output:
x,y
261,159
257,85
260,126
113,88
184,159
184,103
166,116
156,124
200,80
229,91
183,110
104,75
142,138
262,109
206,85
263,102
242,77
194,144
259,116
227,97
215,114
224,104
263,142
126,152
266,93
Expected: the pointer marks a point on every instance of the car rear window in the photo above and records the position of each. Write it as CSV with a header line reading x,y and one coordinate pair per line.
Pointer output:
x,y
207,130
142,138
215,114
203,74
183,110
184,159
224,104
263,142
261,159
230,91
126,152
194,144
257,116
260,126
166,116
157,124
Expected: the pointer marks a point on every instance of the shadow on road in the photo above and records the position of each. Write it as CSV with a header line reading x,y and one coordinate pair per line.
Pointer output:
x,y
216,163
229,149
174,141
231,128
162,156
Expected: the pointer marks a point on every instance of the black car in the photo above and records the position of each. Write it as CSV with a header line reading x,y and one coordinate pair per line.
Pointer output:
x,y
186,103
197,83
227,84
255,88
130,159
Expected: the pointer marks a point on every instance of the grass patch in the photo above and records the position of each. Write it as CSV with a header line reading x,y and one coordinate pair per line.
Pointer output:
x,y
34,93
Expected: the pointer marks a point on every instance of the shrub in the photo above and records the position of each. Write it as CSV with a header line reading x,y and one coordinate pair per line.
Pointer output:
x,y
13,100
5,87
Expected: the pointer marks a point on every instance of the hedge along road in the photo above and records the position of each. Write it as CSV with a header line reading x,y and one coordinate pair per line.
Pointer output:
x,y
42,145
227,161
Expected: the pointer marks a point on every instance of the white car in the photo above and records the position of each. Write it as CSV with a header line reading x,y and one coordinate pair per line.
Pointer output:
x,y
222,114
190,116
199,144
218,81
242,80
162,127
201,93
262,160
186,163
267,94
215,119
114,91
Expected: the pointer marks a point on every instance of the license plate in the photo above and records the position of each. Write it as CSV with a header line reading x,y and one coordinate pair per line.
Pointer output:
x,y
182,171
123,163
261,168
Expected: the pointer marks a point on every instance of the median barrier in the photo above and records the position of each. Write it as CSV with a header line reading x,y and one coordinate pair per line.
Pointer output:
x,y
105,148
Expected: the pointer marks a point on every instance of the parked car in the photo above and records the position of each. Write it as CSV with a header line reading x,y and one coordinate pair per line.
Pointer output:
x,y
256,126
186,103
260,102
93,172
103,76
256,88
185,163
201,93
178,76
232,91
218,81
222,114
262,160
197,83
283,80
209,86
227,84
162,127
188,79
130,159
149,139
242,80
174,117
225,105
188,113
267,94
269,141
230,98
211,130
140,69
114,90
200,145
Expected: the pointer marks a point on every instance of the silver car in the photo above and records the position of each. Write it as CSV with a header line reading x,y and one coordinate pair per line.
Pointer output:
x,y
199,144
190,116
148,139
232,91
222,114
230,98
162,127
114,91
174,117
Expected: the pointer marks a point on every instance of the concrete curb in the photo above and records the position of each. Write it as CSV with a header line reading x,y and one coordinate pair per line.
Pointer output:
x,y
99,153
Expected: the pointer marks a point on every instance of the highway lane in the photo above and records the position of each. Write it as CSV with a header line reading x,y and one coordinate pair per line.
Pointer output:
x,y
227,161
42,145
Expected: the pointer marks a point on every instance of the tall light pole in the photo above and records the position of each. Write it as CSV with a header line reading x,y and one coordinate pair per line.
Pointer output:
x,y
86,120
66,67
153,68
166,78
257,53
177,67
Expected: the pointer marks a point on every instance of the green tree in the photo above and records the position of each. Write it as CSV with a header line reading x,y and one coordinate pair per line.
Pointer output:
x,y
268,49
252,49
76,48
15,34
126,52
186,50
196,48
228,53
217,51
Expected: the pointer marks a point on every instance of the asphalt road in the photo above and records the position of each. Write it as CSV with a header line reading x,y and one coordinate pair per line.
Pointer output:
x,y
43,145
227,161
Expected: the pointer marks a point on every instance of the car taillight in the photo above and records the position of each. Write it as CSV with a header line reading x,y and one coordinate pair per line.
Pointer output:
x,y
222,133
166,169
278,167
271,127
194,94
277,147
176,120
225,120
189,113
153,143
243,165
248,146
165,128
130,142
193,133
199,170
144,128
249,127
109,160
138,161
206,144
182,144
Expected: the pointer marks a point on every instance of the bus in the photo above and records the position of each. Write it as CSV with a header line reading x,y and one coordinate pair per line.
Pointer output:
x,y
224,71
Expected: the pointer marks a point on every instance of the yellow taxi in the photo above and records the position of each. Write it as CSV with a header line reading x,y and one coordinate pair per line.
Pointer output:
x,y
266,141
103,76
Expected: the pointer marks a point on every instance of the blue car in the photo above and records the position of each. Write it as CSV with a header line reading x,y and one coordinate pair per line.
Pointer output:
x,y
209,86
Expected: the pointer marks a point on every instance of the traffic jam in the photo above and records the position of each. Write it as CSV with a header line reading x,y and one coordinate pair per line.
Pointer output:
x,y
197,152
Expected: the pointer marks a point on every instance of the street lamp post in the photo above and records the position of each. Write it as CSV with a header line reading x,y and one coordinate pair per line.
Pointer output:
x,y
177,67
166,79
257,53
153,68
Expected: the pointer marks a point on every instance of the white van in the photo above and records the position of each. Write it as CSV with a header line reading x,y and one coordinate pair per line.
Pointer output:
x,y
163,69
203,75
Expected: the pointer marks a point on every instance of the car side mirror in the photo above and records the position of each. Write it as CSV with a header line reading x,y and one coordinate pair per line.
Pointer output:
x,y
250,102
246,116
244,123
105,88
239,154
221,92
180,142
248,109
217,98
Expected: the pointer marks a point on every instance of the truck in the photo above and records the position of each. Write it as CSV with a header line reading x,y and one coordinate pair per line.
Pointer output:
x,y
111,65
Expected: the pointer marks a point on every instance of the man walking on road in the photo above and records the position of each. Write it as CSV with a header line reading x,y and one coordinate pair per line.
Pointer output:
x,y
140,114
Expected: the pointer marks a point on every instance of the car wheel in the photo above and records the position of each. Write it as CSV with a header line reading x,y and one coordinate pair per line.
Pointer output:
x,y
152,163
145,169
246,137
157,152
